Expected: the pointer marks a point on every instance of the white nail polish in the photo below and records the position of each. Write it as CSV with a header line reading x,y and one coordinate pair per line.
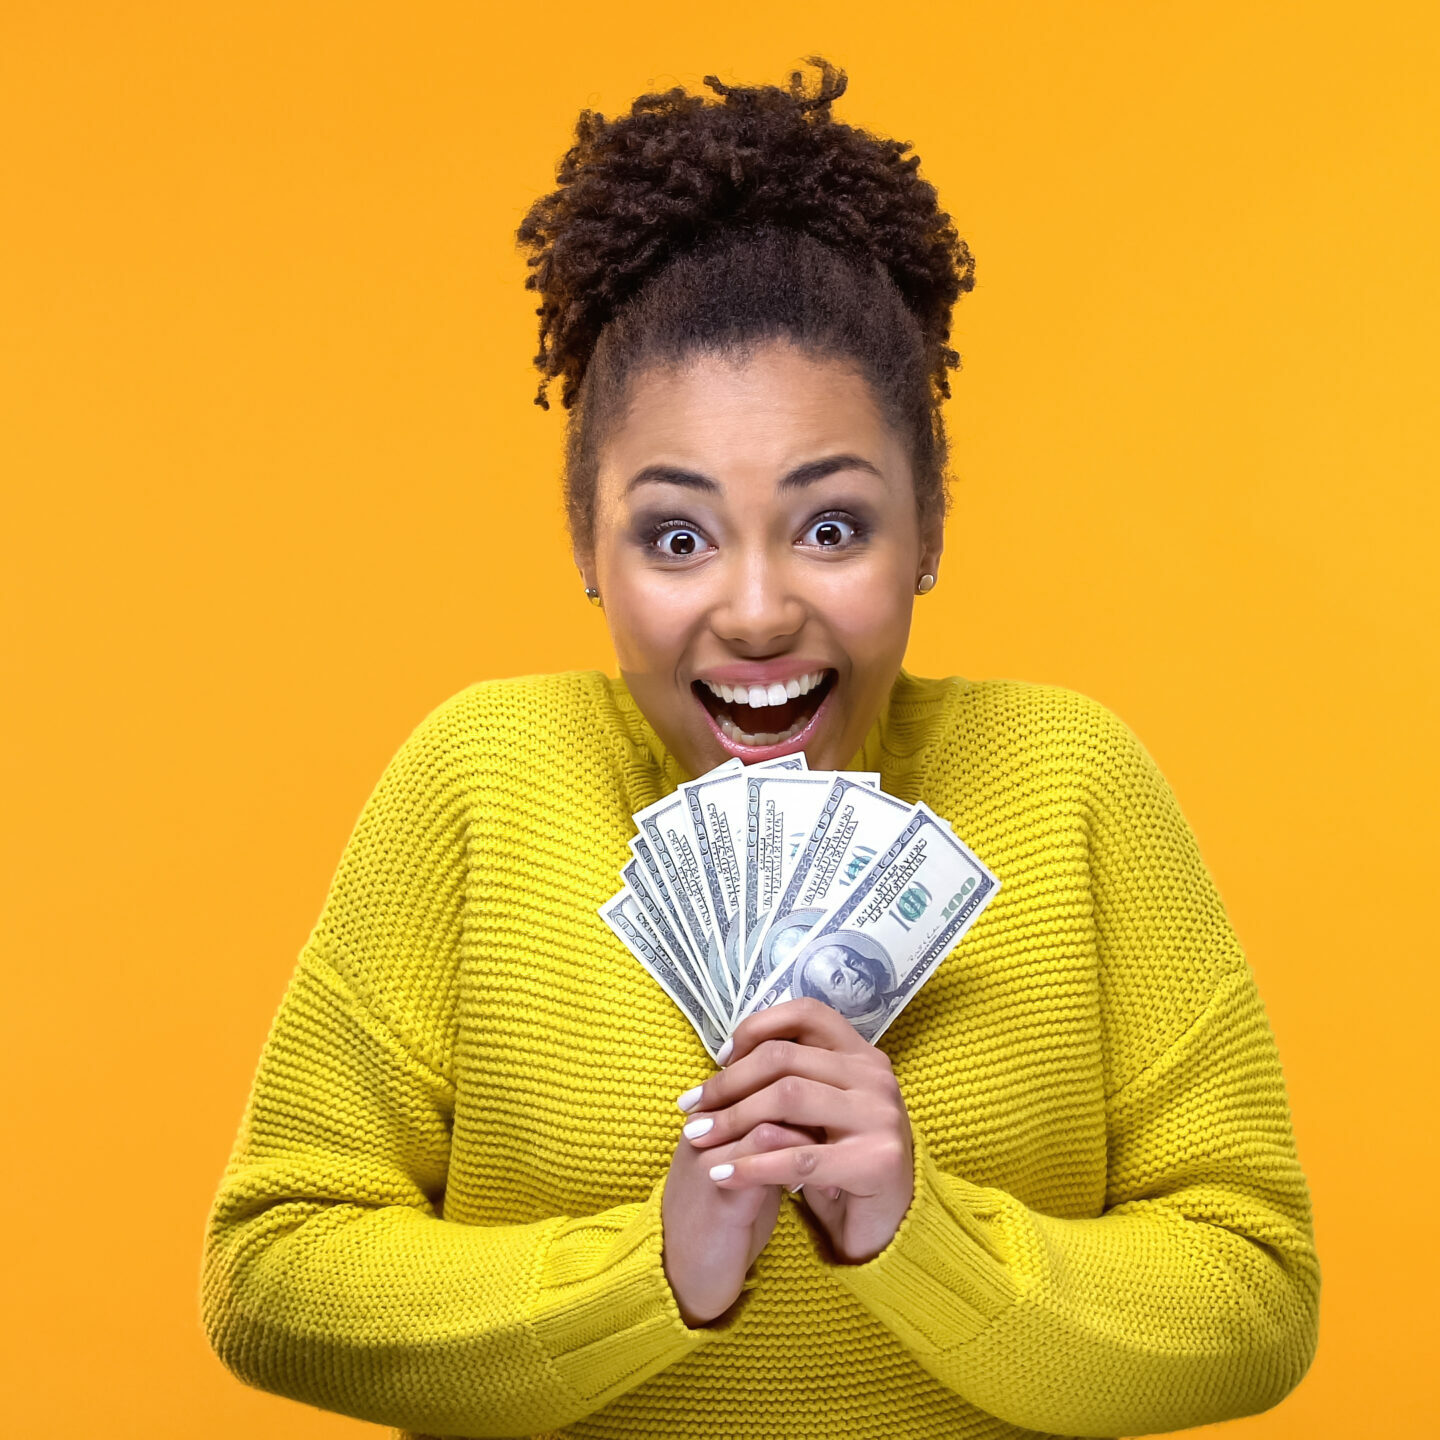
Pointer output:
x,y
723,1054
721,1172
696,1128
690,1099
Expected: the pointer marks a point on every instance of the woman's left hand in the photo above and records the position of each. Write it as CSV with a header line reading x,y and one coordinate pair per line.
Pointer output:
x,y
804,1065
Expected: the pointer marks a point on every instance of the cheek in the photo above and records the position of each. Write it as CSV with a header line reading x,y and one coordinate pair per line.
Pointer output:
x,y
649,627
871,621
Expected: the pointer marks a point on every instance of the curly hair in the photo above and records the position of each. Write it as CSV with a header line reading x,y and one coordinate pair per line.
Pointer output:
x,y
693,223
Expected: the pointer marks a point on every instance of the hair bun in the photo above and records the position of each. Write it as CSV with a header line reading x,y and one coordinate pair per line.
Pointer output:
x,y
679,170
833,84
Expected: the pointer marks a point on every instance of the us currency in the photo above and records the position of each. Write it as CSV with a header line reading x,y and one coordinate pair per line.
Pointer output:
x,y
780,811
666,825
715,804
625,917
870,953
855,824
663,925
676,885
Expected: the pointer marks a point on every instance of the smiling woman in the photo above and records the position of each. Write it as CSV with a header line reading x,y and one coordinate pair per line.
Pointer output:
x,y
1063,1199
757,546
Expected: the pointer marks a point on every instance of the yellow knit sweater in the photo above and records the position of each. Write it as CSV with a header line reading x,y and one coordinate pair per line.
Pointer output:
x,y
442,1212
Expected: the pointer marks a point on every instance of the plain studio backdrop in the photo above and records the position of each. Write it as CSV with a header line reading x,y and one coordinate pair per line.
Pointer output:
x,y
274,487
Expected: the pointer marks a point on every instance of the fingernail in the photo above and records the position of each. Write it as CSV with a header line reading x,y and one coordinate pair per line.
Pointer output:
x,y
721,1172
723,1054
696,1128
796,1189
690,1099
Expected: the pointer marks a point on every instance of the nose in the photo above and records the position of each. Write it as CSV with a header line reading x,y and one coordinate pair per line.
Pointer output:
x,y
759,609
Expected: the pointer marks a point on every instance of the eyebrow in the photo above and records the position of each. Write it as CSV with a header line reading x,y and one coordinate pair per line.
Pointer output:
x,y
796,479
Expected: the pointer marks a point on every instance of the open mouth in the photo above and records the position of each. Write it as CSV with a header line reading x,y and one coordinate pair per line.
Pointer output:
x,y
753,716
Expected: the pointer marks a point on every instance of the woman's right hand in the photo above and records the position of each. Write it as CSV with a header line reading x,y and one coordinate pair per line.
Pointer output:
x,y
712,1236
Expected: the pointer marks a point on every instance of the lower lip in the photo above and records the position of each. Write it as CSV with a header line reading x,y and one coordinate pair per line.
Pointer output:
x,y
753,754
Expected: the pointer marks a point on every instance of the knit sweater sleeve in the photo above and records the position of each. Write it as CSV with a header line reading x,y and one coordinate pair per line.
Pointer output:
x,y
330,1275
1193,1298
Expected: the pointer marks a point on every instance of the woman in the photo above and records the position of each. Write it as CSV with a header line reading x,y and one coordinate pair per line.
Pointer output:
x,y
1063,1198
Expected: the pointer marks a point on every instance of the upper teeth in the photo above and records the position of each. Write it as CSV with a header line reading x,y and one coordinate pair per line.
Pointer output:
x,y
758,696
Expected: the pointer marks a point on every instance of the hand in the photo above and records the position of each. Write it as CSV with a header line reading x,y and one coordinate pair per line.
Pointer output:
x,y
712,1235
803,1066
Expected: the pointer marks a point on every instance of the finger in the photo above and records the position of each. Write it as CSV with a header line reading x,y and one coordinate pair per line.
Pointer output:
x,y
770,1059
765,1136
790,1100
762,1139
846,1165
824,1202
809,1021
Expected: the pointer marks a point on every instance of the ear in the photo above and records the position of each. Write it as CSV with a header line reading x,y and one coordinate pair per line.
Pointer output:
x,y
932,546
584,557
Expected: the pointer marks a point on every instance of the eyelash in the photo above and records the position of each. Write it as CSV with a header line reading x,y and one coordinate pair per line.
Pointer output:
x,y
839,517
655,533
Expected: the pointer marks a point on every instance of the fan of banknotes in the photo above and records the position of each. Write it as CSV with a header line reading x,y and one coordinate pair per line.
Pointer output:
x,y
753,884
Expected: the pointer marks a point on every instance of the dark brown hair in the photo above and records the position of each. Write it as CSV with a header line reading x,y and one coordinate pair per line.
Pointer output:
x,y
694,223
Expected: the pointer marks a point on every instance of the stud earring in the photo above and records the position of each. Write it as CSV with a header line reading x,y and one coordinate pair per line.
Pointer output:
x,y
926,585
593,596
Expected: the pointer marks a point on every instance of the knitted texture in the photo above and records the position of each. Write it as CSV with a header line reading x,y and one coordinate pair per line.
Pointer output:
x,y
442,1212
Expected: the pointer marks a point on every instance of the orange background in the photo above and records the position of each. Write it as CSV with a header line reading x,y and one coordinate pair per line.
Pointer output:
x,y
274,487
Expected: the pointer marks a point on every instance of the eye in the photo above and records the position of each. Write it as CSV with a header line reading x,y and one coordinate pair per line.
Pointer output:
x,y
829,532
678,542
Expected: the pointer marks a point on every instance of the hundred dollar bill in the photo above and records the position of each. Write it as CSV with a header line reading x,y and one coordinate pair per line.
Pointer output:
x,y
653,923
666,825
658,876
716,813
780,811
671,839
797,761
873,950
663,926
855,824
624,916
714,838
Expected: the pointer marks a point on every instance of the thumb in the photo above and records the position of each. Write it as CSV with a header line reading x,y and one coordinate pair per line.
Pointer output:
x,y
826,1203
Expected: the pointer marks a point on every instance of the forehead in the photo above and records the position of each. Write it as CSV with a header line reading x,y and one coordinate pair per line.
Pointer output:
x,y
761,412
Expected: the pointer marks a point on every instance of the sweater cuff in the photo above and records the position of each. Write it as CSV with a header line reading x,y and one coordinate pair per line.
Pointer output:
x,y
942,1280
605,1313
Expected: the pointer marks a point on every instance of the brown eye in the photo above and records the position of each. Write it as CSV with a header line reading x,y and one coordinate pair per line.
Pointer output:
x,y
678,542
828,534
